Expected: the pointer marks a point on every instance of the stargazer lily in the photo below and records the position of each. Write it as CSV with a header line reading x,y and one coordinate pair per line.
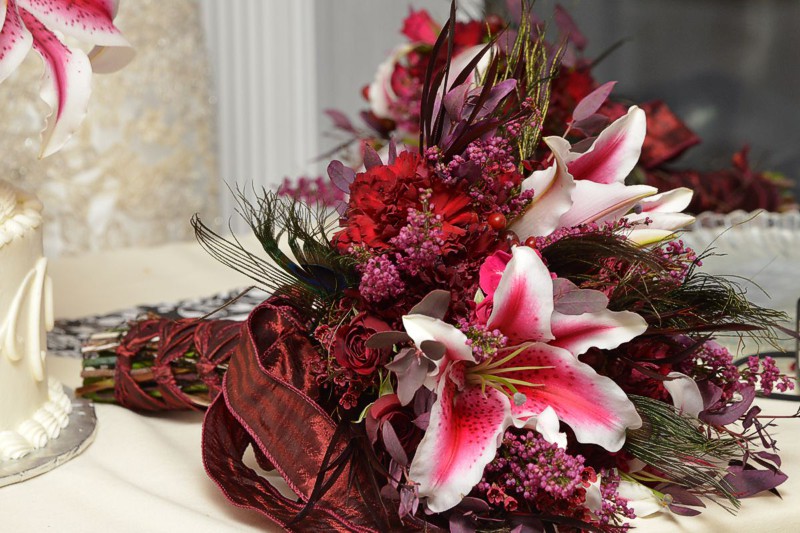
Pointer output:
x,y
582,187
548,323
66,86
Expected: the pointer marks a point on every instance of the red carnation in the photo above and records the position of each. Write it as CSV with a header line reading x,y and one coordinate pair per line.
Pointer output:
x,y
379,203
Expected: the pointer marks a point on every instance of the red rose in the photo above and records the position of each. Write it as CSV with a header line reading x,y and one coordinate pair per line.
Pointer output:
x,y
349,344
419,27
387,419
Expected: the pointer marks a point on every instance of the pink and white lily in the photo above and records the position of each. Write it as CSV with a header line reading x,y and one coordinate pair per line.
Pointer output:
x,y
582,187
66,85
548,323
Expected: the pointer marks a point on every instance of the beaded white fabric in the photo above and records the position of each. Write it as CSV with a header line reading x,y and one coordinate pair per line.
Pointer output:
x,y
143,162
759,250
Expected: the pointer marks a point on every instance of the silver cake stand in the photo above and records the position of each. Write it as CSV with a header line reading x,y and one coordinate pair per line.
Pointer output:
x,y
74,438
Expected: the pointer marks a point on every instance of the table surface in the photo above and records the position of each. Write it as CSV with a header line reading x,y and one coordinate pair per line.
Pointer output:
x,y
144,472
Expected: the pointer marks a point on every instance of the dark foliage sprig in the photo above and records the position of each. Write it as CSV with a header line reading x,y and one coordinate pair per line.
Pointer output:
x,y
675,446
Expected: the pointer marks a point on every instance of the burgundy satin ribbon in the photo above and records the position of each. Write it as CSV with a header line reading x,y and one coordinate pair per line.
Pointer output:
x,y
267,402
212,340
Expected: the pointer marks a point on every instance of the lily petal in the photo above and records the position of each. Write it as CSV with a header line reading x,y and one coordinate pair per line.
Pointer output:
x,y
664,210
614,153
464,432
646,236
108,59
423,328
596,409
523,301
552,198
15,39
662,221
598,202
90,21
548,425
66,86
685,393
600,329
673,201
380,90
640,498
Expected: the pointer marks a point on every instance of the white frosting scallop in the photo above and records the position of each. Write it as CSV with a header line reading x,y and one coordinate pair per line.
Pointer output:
x,y
13,446
44,425
19,212
34,433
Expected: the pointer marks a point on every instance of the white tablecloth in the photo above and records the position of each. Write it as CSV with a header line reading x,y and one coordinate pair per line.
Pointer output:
x,y
144,473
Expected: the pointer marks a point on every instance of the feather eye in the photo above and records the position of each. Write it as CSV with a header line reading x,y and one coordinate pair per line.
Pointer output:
x,y
313,275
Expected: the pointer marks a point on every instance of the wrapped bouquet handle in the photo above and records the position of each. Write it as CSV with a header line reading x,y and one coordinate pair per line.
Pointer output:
x,y
161,364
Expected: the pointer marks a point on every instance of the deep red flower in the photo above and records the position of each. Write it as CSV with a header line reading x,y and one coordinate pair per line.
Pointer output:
x,y
349,344
379,201
420,27
381,197
387,411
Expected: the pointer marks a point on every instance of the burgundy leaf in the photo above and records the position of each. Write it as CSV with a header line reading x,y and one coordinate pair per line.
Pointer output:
x,y
433,349
773,457
422,421
750,417
423,402
371,158
386,339
591,125
498,93
683,511
454,102
747,482
434,304
568,28
392,444
469,171
710,392
475,505
461,524
680,495
340,120
730,413
590,103
341,176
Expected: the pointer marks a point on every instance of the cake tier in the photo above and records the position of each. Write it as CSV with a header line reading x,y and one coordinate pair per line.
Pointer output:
x,y
27,403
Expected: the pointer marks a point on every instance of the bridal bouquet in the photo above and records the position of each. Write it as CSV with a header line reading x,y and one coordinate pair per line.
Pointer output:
x,y
497,334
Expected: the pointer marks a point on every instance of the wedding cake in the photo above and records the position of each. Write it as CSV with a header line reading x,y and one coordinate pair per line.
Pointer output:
x,y
33,408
